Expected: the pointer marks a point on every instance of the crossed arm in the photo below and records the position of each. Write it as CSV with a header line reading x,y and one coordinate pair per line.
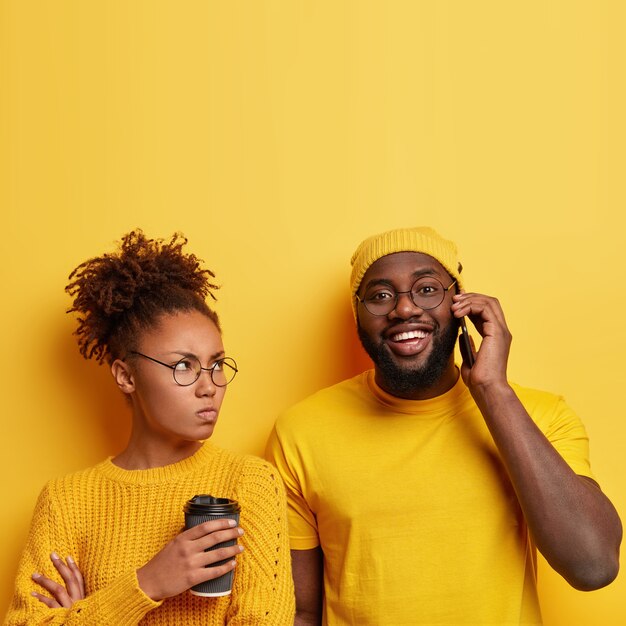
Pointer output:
x,y
180,564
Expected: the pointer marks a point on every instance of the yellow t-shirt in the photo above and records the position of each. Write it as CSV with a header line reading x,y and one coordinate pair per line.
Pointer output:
x,y
409,501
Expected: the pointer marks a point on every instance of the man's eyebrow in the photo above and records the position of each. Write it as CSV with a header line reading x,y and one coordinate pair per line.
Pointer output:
x,y
427,271
376,281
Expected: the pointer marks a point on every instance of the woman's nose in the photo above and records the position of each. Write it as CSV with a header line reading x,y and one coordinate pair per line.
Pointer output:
x,y
205,384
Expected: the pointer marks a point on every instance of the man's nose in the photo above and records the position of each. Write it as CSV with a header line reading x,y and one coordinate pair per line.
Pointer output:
x,y
405,307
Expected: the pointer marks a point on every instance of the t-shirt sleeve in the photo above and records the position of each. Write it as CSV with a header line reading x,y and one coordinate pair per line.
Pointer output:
x,y
563,428
282,452
568,435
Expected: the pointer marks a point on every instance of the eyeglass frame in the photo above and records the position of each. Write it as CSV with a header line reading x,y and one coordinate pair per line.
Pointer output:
x,y
410,292
205,369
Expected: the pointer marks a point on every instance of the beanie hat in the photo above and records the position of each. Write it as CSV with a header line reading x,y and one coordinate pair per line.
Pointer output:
x,y
418,239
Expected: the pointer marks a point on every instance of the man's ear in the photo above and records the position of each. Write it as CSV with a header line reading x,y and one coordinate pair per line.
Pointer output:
x,y
123,376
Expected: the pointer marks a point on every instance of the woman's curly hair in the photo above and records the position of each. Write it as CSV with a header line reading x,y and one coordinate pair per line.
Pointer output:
x,y
119,294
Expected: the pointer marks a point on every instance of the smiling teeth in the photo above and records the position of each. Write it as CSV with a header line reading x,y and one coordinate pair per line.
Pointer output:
x,y
413,334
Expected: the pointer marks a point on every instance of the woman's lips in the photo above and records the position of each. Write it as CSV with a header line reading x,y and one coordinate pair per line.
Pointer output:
x,y
207,414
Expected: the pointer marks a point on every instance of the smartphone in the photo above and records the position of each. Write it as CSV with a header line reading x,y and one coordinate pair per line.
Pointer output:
x,y
464,341
465,345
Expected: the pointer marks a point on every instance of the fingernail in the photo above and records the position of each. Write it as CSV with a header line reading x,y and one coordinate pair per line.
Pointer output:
x,y
232,522
70,560
54,556
240,548
34,594
36,575
240,531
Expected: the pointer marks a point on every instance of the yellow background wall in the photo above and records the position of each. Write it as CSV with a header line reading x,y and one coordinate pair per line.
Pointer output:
x,y
277,135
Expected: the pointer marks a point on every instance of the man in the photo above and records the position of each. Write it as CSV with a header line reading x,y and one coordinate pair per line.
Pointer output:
x,y
419,493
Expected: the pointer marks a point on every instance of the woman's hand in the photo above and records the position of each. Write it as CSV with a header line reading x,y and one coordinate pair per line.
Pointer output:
x,y
61,596
181,564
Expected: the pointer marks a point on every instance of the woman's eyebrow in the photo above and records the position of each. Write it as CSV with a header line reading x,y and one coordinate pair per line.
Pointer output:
x,y
185,353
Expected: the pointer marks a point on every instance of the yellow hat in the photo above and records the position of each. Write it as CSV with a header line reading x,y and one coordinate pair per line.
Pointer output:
x,y
418,239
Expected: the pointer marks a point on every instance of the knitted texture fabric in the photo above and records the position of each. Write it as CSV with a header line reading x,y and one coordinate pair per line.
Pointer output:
x,y
112,521
418,239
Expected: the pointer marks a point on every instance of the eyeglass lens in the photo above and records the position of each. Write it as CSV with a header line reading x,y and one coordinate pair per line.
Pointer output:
x,y
426,293
188,370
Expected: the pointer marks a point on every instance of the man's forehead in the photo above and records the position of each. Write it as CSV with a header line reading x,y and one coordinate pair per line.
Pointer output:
x,y
402,264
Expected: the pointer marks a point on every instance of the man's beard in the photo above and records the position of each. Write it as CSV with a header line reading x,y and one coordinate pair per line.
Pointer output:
x,y
403,380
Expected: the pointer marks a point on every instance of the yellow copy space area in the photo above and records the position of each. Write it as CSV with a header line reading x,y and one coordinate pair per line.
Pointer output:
x,y
277,135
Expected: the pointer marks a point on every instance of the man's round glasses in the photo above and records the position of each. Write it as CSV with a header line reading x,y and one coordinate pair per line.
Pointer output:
x,y
426,293
188,370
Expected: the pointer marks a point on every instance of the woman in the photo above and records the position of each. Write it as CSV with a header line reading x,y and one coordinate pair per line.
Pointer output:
x,y
118,524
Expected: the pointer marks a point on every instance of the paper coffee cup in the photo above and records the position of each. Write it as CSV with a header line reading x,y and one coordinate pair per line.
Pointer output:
x,y
204,508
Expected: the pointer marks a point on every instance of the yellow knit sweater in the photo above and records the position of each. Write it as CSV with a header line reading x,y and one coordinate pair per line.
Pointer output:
x,y
112,521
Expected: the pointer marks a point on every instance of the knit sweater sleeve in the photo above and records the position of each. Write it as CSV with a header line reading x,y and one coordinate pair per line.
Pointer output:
x,y
263,586
121,603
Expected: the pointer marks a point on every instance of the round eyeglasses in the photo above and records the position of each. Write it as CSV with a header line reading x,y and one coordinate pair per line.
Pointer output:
x,y
426,293
188,369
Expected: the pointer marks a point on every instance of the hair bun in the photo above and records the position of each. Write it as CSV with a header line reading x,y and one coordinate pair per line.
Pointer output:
x,y
137,277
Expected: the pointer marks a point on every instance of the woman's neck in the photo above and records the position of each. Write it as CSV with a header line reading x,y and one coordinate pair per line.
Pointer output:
x,y
142,454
